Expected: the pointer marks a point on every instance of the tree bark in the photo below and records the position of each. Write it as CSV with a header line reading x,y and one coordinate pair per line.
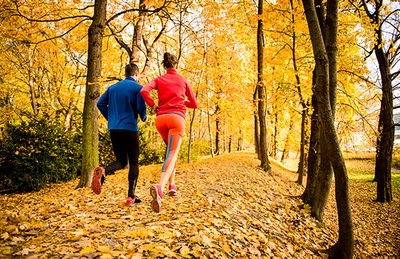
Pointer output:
x,y
217,132
90,113
314,153
265,165
344,247
256,124
323,181
384,150
138,34
285,149
32,89
323,174
300,168
383,164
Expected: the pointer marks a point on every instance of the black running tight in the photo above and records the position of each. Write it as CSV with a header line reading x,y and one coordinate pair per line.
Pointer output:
x,y
126,149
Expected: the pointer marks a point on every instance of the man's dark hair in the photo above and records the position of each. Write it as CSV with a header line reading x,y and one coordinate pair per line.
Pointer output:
x,y
131,69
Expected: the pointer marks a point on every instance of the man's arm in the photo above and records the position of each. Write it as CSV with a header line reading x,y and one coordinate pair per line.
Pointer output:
x,y
102,104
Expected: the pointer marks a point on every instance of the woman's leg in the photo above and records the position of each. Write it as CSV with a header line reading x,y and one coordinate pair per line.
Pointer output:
x,y
168,168
171,128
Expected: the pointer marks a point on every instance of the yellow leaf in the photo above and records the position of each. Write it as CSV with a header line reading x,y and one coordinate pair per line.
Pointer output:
x,y
142,233
225,215
106,256
226,248
185,252
103,249
166,235
5,236
87,250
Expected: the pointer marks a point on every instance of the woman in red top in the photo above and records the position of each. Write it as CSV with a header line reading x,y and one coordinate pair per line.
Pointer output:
x,y
174,95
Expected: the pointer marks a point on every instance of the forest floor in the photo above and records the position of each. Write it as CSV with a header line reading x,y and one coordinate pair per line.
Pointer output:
x,y
226,208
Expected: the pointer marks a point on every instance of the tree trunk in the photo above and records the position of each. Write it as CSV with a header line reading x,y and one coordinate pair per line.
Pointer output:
x,y
322,179
344,248
300,169
383,164
328,25
386,133
287,140
304,113
90,113
262,98
217,131
274,137
32,90
138,34
209,130
323,185
314,153
256,124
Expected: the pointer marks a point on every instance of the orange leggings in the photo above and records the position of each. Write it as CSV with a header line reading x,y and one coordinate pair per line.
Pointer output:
x,y
171,128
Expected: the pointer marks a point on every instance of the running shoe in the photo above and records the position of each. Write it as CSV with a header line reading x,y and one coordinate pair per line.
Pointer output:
x,y
99,174
172,190
156,194
132,201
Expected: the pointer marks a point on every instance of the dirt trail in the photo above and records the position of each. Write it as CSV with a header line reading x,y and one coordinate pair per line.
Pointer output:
x,y
226,208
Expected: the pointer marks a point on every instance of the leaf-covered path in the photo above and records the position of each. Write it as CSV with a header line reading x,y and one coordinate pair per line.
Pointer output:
x,y
226,208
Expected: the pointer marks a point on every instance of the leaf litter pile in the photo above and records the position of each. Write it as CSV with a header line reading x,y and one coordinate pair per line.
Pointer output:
x,y
226,208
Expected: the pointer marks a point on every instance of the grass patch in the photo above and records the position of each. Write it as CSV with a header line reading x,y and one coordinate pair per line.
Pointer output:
x,y
362,170
396,182
359,155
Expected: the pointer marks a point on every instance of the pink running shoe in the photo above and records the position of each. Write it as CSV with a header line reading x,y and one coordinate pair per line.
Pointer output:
x,y
98,173
156,193
172,190
132,201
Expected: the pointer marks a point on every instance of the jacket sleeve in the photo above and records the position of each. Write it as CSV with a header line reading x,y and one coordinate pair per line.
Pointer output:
x,y
141,106
145,92
191,101
102,104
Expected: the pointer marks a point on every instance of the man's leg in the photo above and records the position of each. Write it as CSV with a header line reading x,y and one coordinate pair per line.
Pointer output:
x,y
132,148
118,142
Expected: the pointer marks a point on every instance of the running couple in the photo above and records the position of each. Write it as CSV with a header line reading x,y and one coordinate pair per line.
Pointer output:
x,y
122,104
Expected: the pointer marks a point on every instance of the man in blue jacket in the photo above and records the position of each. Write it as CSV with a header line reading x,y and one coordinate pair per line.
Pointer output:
x,y
122,104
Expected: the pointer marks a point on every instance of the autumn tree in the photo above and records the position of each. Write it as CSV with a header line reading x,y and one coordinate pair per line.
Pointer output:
x,y
325,56
291,62
385,21
90,113
355,109
36,55
303,100
261,93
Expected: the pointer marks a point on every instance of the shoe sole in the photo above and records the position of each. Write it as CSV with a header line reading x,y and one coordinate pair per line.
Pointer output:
x,y
172,193
96,181
156,202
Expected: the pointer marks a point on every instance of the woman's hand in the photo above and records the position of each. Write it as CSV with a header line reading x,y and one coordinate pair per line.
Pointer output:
x,y
155,108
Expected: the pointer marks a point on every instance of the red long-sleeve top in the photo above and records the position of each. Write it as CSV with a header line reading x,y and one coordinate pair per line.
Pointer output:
x,y
172,90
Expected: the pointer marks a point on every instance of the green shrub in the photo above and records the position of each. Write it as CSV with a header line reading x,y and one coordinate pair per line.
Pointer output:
x,y
106,153
38,152
199,148
150,152
396,159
